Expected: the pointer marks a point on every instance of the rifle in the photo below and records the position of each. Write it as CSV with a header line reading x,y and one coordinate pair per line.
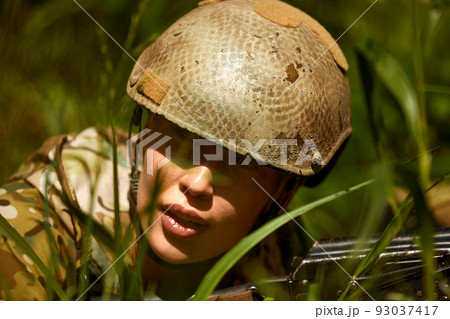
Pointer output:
x,y
397,272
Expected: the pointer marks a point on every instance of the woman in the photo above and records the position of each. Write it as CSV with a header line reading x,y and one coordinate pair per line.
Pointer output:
x,y
245,97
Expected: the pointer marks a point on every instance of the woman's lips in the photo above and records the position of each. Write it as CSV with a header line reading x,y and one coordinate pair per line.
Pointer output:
x,y
182,222
184,213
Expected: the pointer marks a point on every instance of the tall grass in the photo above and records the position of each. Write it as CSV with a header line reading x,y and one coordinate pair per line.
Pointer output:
x,y
400,112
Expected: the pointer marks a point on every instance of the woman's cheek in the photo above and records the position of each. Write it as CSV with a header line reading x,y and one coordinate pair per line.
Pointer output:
x,y
238,217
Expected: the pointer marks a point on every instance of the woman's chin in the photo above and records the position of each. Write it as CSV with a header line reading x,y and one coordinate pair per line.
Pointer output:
x,y
168,253
172,257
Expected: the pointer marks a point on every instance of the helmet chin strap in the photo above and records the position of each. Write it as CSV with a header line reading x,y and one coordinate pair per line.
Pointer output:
x,y
134,183
134,174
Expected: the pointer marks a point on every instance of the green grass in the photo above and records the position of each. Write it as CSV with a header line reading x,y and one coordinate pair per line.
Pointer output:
x,y
399,76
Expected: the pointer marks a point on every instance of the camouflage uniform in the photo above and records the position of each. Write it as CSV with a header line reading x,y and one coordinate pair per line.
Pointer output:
x,y
32,203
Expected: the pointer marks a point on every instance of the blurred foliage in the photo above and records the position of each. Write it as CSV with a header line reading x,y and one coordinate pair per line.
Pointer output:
x,y
390,24
62,73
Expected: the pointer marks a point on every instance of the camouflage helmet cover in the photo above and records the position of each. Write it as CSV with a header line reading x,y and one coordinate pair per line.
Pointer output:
x,y
240,71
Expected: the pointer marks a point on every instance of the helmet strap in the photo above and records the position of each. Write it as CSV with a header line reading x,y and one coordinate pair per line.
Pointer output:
x,y
136,120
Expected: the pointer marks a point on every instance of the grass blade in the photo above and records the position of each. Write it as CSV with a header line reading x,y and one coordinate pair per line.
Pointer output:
x,y
395,79
5,287
393,228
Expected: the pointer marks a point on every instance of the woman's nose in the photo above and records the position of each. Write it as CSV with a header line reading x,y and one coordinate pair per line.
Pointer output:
x,y
198,181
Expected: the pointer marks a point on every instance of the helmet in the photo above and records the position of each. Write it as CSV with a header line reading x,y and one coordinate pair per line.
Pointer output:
x,y
261,78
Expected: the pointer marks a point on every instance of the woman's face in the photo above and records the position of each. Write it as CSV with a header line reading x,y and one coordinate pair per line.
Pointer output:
x,y
199,211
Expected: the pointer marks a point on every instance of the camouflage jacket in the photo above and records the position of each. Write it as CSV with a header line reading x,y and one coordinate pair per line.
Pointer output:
x,y
80,168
